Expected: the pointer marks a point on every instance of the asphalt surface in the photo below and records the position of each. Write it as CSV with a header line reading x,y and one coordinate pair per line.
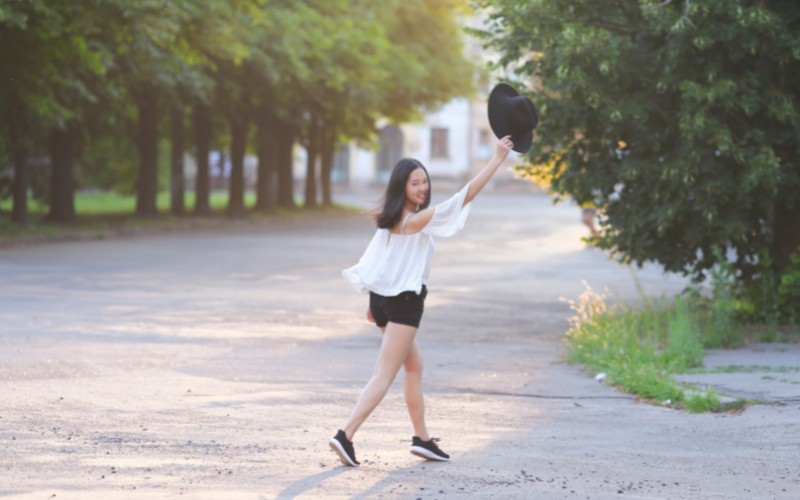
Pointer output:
x,y
218,364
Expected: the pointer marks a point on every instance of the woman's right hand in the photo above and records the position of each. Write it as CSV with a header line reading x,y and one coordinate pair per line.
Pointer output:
x,y
504,145
369,316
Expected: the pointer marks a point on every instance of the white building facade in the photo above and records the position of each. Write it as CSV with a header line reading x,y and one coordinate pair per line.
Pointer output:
x,y
453,142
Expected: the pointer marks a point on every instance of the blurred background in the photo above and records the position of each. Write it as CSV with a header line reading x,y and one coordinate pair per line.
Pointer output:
x,y
674,125
192,107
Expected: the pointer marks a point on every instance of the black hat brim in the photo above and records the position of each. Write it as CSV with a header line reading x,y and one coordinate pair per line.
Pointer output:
x,y
498,119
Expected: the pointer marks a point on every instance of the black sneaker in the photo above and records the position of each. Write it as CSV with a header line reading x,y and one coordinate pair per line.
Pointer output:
x,y
344,448
428,450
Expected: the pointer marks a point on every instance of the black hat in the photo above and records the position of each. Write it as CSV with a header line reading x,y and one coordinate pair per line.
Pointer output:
x,y
514,115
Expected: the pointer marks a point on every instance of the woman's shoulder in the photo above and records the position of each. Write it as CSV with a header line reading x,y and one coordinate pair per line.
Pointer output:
x,y
416,221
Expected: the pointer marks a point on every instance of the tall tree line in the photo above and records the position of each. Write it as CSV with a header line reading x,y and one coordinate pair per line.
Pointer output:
x,y
103,87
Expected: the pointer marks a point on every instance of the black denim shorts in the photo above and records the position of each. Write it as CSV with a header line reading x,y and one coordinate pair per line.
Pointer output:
x,y
403,309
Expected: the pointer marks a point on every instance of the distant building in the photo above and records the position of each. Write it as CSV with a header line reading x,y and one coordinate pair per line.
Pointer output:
x,y
453,142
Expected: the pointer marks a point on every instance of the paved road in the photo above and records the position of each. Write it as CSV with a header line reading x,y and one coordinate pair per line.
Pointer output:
x,y
217,365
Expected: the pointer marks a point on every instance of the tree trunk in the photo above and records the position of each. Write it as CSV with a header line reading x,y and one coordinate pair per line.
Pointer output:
x,y
19,186
202,133
787,233
285,140
177,203
147,184
312,152
328,150
239,126
266,147
62,183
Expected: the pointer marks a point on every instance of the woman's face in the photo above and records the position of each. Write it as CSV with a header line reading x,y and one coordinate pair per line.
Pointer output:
x,y
417,187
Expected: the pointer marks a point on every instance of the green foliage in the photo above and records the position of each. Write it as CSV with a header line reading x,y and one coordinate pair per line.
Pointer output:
x,y
702,402
684,345
422,38
355,63
108,163
640,350
769,297
722,327
762,293
105,204
349,63
50,41
789,290
691,108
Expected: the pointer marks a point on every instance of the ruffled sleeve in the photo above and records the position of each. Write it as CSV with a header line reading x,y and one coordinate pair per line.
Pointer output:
x,y
369,266
449,216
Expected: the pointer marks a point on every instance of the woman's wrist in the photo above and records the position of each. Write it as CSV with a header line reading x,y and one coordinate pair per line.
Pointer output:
x,y
495,162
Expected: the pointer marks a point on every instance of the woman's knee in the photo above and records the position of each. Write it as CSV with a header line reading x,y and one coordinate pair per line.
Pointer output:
x,y
385,373
413,364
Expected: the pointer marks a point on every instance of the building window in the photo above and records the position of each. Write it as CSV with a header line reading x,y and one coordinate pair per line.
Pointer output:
x,y
440,143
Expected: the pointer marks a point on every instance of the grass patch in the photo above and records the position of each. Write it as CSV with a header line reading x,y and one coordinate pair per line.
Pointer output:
x,y
640,350
108,203
702,401
99,214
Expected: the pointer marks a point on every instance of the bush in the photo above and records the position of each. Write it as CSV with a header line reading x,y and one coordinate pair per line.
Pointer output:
x,y
789,290
723,328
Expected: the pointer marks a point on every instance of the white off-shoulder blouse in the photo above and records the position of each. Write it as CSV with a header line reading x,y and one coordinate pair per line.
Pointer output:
x,y
397,263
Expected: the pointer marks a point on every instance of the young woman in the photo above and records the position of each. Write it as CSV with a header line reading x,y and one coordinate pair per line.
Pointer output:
x,y
394,270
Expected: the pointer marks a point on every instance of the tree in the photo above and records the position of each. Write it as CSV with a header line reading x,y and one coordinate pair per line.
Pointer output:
x,y
691,106
163,49
49,60
251,86
177,179
234,101
368,62
235,83
99,84
201,119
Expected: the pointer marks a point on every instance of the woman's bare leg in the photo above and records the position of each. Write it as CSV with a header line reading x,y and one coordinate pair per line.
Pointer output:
x,y
413,392
397,341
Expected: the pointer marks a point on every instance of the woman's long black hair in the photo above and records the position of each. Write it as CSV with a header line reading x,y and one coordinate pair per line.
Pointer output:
x,y
388,216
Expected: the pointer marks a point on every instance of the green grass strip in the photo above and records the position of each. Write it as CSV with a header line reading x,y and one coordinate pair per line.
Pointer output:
x,y
109,203
99,214
640,350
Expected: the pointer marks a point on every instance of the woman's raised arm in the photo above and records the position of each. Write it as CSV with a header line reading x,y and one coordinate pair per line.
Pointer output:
x,y
486,173
419,220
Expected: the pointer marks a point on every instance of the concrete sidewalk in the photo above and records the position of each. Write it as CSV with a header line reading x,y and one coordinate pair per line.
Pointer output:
x,y
766,373
218,364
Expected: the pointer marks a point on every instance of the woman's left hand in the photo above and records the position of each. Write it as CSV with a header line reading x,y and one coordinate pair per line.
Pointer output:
x,y
369,316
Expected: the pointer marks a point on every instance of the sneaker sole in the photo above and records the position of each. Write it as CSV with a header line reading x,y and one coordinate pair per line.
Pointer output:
x,y
427,454
337,447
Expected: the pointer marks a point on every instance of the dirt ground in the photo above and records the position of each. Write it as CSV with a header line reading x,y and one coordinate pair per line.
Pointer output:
x,y
218,364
